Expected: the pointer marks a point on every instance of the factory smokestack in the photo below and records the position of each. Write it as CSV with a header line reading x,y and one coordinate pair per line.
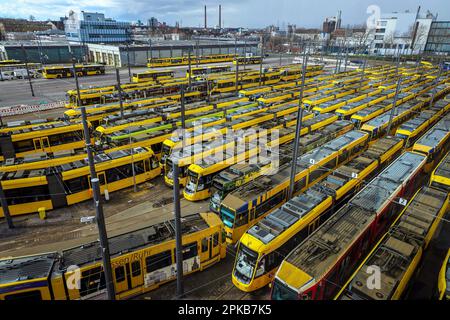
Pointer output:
x,y
220,17
206,26
338,20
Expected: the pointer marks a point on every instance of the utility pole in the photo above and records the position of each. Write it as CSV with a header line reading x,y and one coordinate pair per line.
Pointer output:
x,y
75,75
394,103
338,55
298,129
132,162
178,236
128,62
345,60
183,117
190,70
119,90
104,245
198,52
150,45
5,208
245,53
237,76
28,70
362,73
261,61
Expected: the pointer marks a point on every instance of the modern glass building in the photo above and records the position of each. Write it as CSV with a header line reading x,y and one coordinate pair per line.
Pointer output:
x,y
95,28
439,37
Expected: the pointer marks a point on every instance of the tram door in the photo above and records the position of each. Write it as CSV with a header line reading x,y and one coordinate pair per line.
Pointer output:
x,y
128,276
102,181
41,144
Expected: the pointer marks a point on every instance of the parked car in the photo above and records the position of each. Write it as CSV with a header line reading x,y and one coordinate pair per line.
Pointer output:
x,y
6,75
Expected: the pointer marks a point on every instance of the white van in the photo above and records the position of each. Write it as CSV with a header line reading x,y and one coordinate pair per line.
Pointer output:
x,y
21,74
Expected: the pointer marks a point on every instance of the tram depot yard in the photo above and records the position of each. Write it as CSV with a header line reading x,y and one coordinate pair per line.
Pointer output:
x,y
371,148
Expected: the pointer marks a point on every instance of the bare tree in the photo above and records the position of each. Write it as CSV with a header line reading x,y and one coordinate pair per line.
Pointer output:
x,y
388,40
419,39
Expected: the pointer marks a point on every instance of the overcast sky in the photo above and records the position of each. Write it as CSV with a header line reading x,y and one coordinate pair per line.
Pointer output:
x,y
244,13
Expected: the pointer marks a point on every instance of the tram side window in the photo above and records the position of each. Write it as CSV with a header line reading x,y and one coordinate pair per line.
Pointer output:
x,y
135,268
299,184
189,251
92,280
157,147
120,273
139,167
26,195
34,295
77,184
330,164
215,239
204,244
119,173
267,205
158,261
154,162
330,285
318,172
343,156
23,146
241,218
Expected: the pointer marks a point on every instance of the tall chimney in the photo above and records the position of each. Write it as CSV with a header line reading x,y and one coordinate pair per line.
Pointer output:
x,y
206,26
220,17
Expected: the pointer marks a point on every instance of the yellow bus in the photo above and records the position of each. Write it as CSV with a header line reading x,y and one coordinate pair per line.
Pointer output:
x,y
198,71
247,60
67,71
184,60
152,75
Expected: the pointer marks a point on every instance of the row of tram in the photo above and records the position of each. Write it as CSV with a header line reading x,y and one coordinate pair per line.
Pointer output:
x,y
332,168
205,82
387,225
124,135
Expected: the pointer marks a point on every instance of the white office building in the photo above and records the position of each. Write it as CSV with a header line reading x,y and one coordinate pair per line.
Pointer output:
x,y
404,33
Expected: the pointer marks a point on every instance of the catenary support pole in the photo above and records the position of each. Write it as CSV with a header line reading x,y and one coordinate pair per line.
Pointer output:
x,y
5,208
99,217
298,128
25,56
119,90
178,235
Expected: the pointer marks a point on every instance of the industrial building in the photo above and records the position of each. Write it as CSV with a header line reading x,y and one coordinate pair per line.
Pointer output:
x,y
45,52
138,55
